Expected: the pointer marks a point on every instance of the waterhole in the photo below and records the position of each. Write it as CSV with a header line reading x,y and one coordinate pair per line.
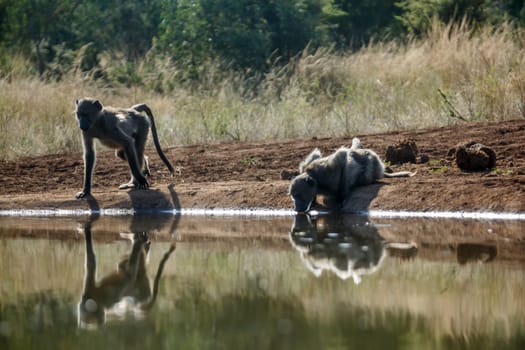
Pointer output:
x,y
244,282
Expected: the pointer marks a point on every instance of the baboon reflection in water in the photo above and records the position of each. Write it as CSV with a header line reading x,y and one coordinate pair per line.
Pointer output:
x,y
348,246
128,285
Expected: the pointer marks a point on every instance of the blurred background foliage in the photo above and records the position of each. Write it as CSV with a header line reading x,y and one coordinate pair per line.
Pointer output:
x,y
251,36
258,69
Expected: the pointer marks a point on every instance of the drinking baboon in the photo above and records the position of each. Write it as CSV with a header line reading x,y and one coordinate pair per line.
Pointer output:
x,y
335,175
129,280
123,129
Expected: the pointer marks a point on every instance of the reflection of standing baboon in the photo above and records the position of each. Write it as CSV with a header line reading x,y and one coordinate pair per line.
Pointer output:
x,y
335,175
123,129
129,281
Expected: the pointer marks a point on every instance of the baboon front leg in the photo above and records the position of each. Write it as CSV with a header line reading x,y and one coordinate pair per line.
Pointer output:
x,y
90,263
89,164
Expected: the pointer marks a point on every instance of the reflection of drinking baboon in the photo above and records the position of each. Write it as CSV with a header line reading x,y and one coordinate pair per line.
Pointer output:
x,y
123,129
129,282
346,245
335,175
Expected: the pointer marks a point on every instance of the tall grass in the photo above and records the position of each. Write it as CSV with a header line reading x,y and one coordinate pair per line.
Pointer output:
x,y
451,75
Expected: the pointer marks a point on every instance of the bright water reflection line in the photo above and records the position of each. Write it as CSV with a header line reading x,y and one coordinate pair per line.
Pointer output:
x,y
221,212
258,212
262,212
445,215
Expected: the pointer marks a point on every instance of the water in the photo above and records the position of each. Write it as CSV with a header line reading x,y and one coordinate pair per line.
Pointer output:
x,y
280,282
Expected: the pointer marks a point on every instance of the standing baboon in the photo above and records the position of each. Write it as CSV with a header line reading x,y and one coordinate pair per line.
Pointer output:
x,y
335,175
123,129
129,280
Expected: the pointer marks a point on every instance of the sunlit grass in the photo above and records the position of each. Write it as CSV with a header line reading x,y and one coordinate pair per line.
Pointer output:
x,y
450,76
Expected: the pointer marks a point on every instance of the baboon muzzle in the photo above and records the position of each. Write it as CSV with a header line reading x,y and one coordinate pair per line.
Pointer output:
x,y
84,124
301,206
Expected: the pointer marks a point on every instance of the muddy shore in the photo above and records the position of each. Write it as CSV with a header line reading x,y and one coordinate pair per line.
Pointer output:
x,y
250,174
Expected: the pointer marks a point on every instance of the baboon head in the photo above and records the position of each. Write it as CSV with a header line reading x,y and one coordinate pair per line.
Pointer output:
x,y
87,110
303,190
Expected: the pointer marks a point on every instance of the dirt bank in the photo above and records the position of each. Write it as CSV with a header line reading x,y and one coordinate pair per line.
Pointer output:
x,y
249,174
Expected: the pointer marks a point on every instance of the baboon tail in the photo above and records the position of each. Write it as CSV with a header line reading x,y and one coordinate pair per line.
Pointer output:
x,y
315,154
356,144
400,174
157,146
144,108
156,282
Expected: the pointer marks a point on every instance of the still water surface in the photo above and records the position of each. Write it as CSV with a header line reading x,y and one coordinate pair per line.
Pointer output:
x,y
268,283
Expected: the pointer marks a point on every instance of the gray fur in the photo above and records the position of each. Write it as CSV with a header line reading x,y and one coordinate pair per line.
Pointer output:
x,y
335,175
315,154
123,129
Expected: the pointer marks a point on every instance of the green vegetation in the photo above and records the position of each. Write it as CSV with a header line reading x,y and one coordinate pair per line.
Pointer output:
x,y
257,69
503,172
437,166
250,161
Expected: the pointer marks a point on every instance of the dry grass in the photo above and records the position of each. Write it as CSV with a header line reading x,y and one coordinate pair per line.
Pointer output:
x,y
450,76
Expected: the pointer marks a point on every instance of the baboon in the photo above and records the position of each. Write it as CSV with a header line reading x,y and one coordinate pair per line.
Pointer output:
x,y
129,280
123,129
335,175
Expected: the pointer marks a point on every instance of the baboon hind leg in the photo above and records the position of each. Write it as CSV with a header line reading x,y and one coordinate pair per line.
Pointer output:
x,y
122,155
145,168
139,145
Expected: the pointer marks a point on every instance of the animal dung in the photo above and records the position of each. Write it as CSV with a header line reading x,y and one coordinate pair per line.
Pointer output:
x,y
473,156
403,152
